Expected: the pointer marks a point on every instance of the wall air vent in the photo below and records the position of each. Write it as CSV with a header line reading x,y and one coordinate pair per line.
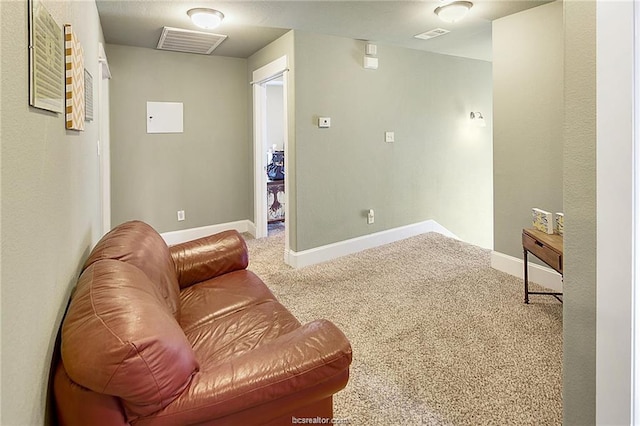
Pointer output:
x,y
188,41
432,34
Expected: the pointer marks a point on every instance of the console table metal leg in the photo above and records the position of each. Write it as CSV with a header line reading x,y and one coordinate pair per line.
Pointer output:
x,y
526,278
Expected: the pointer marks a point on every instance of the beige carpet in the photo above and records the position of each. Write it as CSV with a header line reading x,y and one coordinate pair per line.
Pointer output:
x,y
438,336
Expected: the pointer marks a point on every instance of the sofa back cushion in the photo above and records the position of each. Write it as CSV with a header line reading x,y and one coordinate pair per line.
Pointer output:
x,y
139,244
120,338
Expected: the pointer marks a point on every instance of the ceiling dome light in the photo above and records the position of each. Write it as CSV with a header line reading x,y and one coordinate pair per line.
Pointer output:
x,y
205,18
454,11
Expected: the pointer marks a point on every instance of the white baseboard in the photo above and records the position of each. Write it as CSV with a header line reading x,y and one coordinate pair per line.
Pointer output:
x,y
355,245
180,236
318,254
542,275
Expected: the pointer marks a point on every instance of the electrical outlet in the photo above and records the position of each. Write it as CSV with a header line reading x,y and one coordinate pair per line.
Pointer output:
x,y
370,217
324,122
180,215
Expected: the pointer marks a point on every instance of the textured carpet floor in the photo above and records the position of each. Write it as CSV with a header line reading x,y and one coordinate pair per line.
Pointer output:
x,y
438,336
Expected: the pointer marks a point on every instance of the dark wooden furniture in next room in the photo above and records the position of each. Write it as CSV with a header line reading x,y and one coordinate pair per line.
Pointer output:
x,y
275,205
546,247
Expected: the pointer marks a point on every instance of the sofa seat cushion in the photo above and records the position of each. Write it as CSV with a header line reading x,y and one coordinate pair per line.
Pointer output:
x,y
231,314
139,244
202,303
280,373
234,334
120,338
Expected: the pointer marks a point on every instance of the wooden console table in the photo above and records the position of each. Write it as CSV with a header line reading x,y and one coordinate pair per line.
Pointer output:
x,y
546,247
275,209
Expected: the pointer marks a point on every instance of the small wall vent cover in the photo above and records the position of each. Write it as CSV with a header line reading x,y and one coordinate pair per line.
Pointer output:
x,y
432,34
189,41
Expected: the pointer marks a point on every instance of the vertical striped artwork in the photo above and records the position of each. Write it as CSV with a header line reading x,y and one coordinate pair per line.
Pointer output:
x,y
88,96
74,78
46,60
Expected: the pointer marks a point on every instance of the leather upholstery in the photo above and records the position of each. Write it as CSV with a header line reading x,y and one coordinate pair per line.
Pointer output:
x,y
225,351
208,257
140,245
120,338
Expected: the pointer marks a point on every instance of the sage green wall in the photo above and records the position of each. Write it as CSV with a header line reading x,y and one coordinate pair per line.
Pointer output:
x,y
439,166
544,118
50,210
204,170
528,120
579,309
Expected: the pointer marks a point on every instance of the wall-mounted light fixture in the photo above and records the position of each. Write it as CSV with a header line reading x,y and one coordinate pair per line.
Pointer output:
x,y
477,119
205,18
454,11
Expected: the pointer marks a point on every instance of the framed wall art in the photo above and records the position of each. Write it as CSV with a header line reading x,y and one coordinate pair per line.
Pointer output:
x,y
88,96
74,79
46,59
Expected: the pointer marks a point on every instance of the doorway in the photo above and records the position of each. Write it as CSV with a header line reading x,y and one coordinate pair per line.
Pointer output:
x,y
275,154
271,78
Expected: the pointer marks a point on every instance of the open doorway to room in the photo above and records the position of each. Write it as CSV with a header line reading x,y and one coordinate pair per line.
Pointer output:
x,y
270,133
275,154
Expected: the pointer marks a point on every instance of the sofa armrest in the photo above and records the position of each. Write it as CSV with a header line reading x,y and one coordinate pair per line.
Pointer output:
x,y
208,257
77,406
311,361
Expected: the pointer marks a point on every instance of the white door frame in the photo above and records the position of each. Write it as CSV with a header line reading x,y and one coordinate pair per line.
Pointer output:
x,y
635,326
260,77
104,140
616,362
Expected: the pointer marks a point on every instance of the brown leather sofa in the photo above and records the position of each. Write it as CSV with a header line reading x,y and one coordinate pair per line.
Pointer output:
x,y
182,335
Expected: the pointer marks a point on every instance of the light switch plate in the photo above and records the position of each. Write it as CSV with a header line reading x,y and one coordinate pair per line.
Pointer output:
x,y
371,49
389,137
370,63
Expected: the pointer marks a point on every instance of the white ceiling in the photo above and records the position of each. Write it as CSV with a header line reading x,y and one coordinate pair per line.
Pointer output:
x,y
251,25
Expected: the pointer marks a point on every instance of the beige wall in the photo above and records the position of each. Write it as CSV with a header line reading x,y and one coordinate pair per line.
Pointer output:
x,y
528,121
439,166
579,354
50,211
204,170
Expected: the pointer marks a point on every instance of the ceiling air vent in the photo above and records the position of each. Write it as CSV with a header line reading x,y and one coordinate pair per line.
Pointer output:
x,y
431,34
189,41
